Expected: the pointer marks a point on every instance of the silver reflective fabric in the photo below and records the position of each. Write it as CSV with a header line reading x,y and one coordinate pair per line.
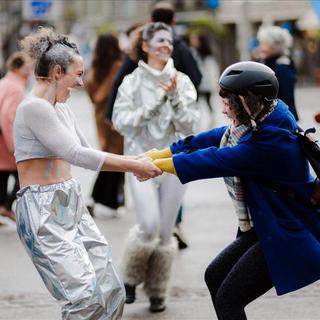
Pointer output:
x,y
144,114
69,252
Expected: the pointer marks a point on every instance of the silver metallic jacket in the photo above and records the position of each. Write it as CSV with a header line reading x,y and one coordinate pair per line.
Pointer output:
x,y
147,116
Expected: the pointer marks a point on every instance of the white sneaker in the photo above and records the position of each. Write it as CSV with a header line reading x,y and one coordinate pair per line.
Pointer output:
x,y
103,212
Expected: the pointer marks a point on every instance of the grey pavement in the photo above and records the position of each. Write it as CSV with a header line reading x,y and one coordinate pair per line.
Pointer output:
x,y
209,224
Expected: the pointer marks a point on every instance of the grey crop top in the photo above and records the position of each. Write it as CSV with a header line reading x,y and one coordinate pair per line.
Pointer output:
x,y
42,130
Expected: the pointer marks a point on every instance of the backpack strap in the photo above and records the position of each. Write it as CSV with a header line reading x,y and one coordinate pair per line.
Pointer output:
x,y
291,194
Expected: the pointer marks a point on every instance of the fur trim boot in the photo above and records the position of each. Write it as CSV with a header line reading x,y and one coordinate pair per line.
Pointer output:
x,y
158,274
136,257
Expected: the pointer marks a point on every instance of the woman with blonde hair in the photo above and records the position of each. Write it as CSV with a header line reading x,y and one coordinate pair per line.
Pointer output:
x,y
65,245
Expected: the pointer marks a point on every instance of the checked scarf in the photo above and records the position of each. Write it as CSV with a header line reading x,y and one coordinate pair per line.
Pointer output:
x,y
231,138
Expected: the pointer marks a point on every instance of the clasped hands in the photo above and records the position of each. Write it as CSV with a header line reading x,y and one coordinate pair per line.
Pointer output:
x,y
156,161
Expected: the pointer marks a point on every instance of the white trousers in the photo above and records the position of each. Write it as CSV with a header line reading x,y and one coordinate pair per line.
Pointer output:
x,y
156,203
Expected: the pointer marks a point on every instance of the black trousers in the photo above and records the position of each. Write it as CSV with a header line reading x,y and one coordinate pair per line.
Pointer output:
x,y
237,276
7,197
108,189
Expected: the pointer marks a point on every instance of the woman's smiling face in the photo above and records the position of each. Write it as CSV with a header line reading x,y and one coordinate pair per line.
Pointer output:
x,y
71,79
228,111
160,46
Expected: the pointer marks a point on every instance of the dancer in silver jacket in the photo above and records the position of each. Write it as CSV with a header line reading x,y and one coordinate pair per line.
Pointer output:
x,y
155,104
69,252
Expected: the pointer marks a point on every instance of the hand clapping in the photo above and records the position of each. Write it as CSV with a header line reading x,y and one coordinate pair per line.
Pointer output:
x,y
170,86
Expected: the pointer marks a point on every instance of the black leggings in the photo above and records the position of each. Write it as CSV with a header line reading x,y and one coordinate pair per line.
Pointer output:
x,y
108,189
237,276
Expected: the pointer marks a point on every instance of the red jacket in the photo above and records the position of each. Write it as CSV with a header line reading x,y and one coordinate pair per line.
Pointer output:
x,y
12,90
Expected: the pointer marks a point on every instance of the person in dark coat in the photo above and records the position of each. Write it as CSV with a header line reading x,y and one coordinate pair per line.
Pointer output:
x,y
268,178
107,192
274,46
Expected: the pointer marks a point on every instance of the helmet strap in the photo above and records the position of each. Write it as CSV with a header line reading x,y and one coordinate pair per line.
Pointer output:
x,y
246,108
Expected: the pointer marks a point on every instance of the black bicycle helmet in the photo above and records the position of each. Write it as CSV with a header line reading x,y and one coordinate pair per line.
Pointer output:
x,y
250,76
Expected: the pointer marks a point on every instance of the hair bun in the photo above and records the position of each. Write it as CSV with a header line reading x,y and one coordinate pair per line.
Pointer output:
x,y
36,44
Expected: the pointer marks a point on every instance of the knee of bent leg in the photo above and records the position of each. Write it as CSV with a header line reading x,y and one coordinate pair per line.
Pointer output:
x,y
208,276
229,305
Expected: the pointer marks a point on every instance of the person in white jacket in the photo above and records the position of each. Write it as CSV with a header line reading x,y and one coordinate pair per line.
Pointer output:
x,y
154,105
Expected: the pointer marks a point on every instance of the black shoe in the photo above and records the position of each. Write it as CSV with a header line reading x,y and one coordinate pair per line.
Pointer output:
x,y
130,293
182,243
157,305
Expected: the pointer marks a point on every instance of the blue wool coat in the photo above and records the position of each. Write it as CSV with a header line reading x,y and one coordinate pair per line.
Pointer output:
x,y
288,229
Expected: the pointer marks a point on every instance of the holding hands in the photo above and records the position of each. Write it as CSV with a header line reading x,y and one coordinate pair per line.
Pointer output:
x,y
146,168
160,159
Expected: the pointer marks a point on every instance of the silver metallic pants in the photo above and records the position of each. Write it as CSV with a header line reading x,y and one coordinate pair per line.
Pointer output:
x,y
69,252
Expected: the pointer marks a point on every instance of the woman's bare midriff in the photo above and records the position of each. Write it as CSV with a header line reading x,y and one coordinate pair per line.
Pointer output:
x,y
43,171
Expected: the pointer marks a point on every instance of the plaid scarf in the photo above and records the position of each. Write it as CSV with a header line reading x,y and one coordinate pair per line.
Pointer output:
x,y
235,189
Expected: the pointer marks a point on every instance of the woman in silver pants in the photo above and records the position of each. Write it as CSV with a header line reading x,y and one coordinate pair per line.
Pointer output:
x,y
66,247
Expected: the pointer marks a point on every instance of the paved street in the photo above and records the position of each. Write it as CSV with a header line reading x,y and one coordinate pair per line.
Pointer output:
x,y
209,224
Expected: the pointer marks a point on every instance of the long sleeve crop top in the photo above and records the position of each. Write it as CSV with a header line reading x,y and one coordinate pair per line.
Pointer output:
x,y
42,130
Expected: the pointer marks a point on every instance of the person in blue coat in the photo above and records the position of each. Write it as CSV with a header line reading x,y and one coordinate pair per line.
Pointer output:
x,y
268,178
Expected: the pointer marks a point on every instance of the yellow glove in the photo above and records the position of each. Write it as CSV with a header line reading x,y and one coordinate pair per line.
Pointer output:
x,y
158,154
166,165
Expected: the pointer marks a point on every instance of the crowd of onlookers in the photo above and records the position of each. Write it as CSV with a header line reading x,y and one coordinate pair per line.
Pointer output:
x,y
145,94
110,64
